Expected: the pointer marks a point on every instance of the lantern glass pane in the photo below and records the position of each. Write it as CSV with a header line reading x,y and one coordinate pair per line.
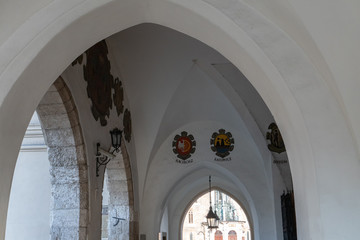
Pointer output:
x,y
113,139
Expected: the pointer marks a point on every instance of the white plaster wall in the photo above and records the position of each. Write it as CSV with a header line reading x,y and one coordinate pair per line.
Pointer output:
x,y
164,227
29,204
7,10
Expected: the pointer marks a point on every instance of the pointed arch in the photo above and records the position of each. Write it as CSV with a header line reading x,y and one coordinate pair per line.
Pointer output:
x,y
288,84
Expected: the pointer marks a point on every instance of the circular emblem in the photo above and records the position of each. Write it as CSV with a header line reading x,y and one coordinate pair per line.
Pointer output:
x,y
184,145
222,143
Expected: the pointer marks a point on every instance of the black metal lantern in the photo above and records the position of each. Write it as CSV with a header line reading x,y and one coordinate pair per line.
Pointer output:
x,y
103,157
116,135
212,219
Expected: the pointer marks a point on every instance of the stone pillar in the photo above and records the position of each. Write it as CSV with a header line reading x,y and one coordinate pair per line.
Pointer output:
x,y
121,198
68,167
134,221
119,201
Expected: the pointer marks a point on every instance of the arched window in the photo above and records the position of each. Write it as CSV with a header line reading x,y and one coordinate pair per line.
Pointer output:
x,y
191,217
218,235
232,235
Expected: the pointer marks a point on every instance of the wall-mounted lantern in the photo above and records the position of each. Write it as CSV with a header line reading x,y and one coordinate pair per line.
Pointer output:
x,y
103,157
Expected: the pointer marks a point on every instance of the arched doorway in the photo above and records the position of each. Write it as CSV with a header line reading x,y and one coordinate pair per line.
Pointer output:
x,y
232,217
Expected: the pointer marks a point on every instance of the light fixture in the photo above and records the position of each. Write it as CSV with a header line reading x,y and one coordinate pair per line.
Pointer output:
x,y
211,217
103,157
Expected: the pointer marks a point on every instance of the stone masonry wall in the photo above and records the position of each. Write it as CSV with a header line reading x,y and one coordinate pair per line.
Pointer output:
x,y
121,202
134,221
68,166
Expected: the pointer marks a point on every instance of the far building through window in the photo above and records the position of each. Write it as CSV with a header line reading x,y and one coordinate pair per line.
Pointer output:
x,y
191,217
234,224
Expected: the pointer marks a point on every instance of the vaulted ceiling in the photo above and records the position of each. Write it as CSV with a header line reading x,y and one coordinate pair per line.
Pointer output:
x,y
174,83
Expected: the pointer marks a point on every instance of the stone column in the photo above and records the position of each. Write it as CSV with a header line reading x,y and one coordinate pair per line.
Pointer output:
x,y
68,167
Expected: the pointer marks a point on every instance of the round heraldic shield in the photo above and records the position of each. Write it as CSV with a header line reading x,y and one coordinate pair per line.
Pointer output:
x,y
184,145
222,143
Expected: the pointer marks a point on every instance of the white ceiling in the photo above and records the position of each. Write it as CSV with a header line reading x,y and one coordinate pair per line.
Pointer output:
x,y
175,83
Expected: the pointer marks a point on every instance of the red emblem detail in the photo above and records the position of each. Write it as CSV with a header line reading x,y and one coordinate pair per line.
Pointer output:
x,y
184,145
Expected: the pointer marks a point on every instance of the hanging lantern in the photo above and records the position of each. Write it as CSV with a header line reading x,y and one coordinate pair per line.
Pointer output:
x,y
212,218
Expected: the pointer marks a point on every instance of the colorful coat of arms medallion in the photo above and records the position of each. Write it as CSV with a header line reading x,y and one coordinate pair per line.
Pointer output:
x,y
183,147
276,141
222,143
